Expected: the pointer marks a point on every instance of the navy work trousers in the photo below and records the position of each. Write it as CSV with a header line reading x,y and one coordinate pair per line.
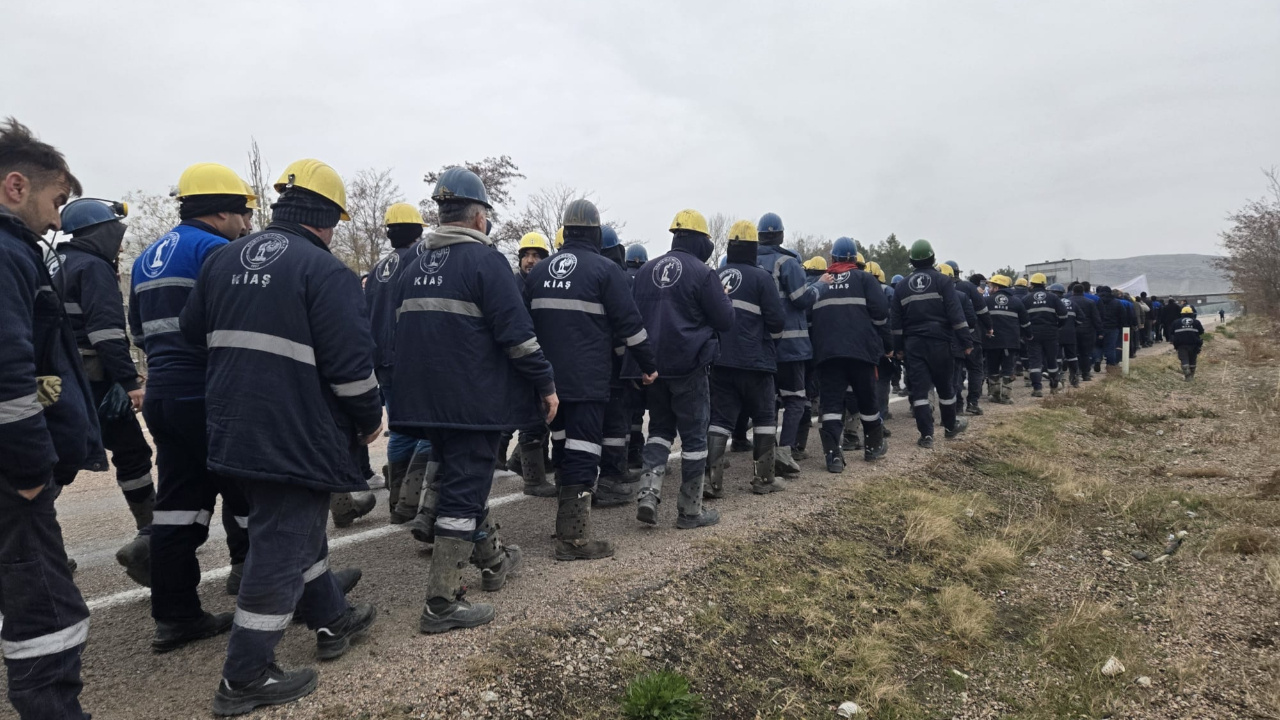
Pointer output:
x,y
929,366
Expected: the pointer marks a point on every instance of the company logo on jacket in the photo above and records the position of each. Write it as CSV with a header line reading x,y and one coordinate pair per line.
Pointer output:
x,y
563,265
919,282
156,258
387,268
667,272
263,250
731,279
434,260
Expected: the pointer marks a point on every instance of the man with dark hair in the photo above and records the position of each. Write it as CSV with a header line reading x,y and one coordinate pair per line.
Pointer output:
x,y
1088,330
48,429
290,392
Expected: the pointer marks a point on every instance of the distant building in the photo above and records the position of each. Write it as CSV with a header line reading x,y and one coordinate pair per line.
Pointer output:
x,y
1063,271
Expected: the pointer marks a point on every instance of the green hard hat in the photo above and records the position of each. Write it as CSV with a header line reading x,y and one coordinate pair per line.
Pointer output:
x,y
921,250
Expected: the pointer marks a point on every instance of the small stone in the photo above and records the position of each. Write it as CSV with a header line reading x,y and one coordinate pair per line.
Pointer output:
x,y
488,697
848,709
1159,433
1182,534
1112,667
1139,555
645,653
959,674
968,512
528,713
1144,681
1106,553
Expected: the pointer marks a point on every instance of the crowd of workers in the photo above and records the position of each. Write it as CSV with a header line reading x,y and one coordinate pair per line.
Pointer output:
x,y
246,333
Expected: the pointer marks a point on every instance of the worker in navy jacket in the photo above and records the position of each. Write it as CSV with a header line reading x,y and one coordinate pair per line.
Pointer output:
x,y
683,305
636,257
1010,328
958,355
1088,329
582,309
85,272
926,319
974,363
616,486
290,393
1188,338
850,335
48,429
1047,315
490,376
1067,354
214,207
742,376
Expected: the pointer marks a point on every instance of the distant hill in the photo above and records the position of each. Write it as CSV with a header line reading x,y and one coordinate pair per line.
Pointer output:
x,y
1184,274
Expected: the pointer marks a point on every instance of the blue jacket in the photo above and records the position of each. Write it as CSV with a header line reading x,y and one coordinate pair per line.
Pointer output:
x,y
851,319
162,279
90,288
290,384
1187,331
1009,320
1067,332
380,301
36,341
797,295
1046,311
683,305
462,321
983,315
582,310
757,316
925,305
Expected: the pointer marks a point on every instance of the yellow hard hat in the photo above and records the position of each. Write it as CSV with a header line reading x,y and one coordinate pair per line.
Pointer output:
x,y
537,241
690,220
859,260
1188,310
873,267
251,199
212,179
317,177
560,238
743,230
1021,282
403,214
817,262
945,269
1039,279
1001,280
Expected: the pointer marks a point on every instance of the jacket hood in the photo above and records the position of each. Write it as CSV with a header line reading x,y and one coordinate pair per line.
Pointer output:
x,y
696,244
742,252
103,240
447,235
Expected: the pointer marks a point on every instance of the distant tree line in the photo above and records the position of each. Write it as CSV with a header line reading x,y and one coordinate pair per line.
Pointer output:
x,y
1252,245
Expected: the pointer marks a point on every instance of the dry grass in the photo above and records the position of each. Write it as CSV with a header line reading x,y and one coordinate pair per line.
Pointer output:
x,y
966,614
1271,571
927,530
1270,487
1201,472
1242,541
990,558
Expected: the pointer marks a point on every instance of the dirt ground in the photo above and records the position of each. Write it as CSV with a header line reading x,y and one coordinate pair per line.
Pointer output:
x,y
991,577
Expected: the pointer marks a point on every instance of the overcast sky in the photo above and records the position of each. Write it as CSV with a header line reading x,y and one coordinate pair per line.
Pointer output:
x,y
1005,132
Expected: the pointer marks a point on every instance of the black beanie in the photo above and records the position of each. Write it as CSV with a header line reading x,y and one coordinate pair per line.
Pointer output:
x,y
402,235
304,207
196,206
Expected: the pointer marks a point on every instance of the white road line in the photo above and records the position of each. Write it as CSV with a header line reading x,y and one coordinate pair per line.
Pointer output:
x,y
128,596
123,598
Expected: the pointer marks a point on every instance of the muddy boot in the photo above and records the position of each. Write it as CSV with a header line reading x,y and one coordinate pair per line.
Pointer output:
x,y
394,473
831,448
614,490
573,527
783,463
135,556
802,439
650,495
423,524
346,508
764,480
876,446
171,635
714,485
925,442
407,499
534,471
972,408
1005,392
961,425
495,560
1037,393
740,444
445,609
851,440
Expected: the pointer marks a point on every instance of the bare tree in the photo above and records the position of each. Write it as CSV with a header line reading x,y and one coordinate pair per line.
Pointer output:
x,y
361,242
718,227
258,173
543,213
151,215
1253,251
807,246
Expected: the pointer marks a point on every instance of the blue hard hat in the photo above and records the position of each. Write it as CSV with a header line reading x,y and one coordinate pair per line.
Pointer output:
x,y
1058,288
637,253
896,279
954,266
608,237
459,183
844,249
87,212
769,222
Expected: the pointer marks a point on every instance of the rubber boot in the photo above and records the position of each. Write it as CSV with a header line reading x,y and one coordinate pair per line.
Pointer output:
x,y
876,446
445,609
764,480
346,508
495,560
406,505
614,490
802,438
573,527
1186,372
534,471
135,556
423,524
716,446
650,495
831,448
783,463
395,473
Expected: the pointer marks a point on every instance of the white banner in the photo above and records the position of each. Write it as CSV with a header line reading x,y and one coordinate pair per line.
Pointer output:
x,y
1134,287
